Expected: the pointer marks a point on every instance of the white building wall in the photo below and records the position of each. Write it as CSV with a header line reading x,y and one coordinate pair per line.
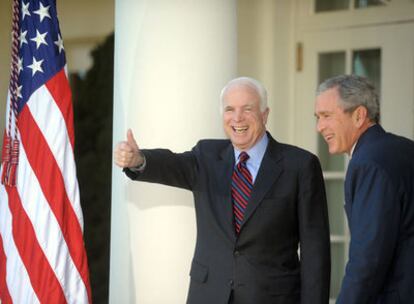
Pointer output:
x,y
265,48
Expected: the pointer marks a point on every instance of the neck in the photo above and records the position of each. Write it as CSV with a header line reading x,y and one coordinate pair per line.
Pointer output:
x,y
367,124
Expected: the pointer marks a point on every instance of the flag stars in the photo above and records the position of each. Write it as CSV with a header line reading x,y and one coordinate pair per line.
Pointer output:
x,y
36,66
18,92
59,43
43,12
19,65
25,10
22,38
39,39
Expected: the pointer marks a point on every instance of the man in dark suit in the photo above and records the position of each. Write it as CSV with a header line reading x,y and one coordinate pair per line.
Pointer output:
x,y
379,192
256,200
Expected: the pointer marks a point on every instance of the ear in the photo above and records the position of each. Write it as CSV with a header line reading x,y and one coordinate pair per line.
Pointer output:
x,y
359,116
265,114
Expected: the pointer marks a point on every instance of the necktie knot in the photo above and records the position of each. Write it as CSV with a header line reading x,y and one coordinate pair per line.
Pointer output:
x,y
243,157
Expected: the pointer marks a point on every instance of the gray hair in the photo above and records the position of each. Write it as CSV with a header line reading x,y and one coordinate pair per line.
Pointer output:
x,y
251,83
354,91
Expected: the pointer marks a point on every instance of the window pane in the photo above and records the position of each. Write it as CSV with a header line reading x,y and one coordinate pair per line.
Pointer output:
x,y
367,3
368,63
335,197
330,64
338,268
331,5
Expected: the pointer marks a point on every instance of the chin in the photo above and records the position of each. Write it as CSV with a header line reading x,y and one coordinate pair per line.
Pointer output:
x,y
240,146
333,150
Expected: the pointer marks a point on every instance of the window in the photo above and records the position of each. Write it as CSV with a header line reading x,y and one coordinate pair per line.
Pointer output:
x,y
337,5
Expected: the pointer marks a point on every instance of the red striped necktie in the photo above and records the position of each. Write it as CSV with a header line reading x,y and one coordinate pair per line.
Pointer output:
x,y
241,188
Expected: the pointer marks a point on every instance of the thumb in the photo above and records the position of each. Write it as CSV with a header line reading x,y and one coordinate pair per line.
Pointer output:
x,y
131,140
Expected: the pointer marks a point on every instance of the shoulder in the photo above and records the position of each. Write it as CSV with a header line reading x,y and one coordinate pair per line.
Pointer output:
x,y
386,149
294,159
212,144
211,147
387,157
291,152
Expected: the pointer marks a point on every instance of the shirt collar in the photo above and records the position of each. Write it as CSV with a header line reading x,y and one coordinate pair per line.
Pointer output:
x,y
256,152
352,149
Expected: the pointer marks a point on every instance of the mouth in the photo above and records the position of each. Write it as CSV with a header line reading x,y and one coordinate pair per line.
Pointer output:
x,y
239,130
328,137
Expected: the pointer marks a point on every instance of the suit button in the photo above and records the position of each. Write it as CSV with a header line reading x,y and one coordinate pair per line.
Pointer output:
x,y
237,253
231,283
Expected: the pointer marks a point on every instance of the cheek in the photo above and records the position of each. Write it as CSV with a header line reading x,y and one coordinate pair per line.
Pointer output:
x,y
254,119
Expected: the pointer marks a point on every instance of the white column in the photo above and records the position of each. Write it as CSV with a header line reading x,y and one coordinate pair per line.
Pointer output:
x,y
172,57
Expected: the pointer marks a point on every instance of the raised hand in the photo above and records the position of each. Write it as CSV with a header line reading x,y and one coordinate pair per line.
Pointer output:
x,y
127,153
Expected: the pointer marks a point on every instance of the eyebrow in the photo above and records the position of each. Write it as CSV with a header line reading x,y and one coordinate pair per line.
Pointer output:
x,y
316,114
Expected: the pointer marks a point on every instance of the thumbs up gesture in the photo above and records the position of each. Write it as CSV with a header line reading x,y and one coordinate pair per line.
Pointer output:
x,y
127,153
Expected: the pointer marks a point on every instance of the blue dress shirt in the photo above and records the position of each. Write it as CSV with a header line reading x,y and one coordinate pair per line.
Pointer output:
x,y
256,154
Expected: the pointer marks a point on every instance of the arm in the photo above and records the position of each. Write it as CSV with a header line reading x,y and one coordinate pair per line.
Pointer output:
x,y
374,224
168,168
314,235
157,166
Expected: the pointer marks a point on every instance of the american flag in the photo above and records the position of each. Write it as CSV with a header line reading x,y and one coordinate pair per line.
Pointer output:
x,y
42,253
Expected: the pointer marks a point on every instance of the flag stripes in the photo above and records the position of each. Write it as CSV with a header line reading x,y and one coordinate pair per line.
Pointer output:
x,y
36,170
46,169
4,292
42,254
59,89
52,240
45,112
18,288
32,254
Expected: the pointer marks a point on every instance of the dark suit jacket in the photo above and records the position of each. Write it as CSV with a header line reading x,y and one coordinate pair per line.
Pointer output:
x,y
287,207
379,204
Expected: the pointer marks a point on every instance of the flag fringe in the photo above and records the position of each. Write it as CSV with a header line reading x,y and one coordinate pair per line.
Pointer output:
x,y
5,159
14,162
10,159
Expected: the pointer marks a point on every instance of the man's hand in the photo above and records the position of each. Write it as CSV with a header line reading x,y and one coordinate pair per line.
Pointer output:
x,y
127,153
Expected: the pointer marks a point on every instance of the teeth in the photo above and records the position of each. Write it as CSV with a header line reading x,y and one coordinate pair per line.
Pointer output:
x,y
240,129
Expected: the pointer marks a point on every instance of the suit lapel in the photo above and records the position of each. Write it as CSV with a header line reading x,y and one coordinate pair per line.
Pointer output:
x,y
268,173
225,164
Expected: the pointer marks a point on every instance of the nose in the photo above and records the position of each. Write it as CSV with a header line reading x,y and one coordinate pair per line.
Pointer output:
x,y
320,125
238,115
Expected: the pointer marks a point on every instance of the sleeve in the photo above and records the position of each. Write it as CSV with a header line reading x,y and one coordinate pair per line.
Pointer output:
x,y
314,235
165,167
374,223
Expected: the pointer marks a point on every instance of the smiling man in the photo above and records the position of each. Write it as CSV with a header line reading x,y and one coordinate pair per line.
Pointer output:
x,y
256,202
379,192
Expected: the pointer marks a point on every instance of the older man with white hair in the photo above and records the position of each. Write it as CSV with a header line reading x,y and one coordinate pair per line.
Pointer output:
x,y
256,201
